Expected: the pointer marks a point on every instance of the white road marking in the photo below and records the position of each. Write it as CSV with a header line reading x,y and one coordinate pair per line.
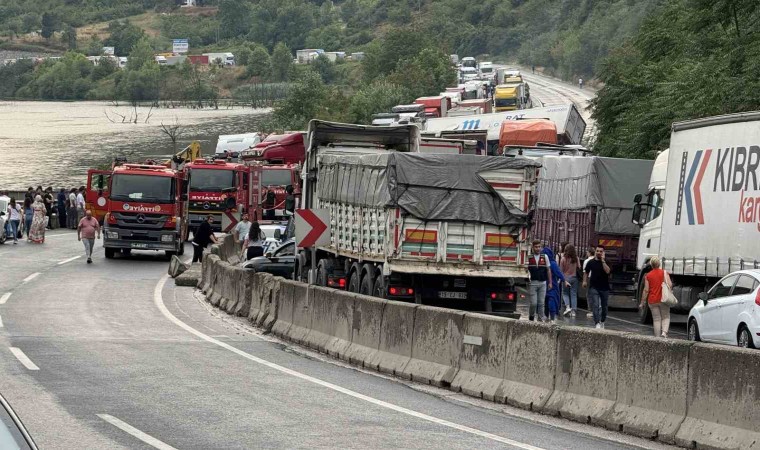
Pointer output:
x,y
48,236
1,322
23,359
158,300
69,260
5,297
127,428
30,277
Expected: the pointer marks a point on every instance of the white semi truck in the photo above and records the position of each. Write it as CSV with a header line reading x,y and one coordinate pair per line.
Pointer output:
x,y
442,229
701,214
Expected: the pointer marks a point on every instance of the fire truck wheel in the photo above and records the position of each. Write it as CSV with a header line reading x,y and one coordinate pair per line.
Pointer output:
x,y
109,253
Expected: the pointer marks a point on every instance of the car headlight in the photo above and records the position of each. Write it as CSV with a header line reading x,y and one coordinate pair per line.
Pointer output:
x,y
112,235
167,238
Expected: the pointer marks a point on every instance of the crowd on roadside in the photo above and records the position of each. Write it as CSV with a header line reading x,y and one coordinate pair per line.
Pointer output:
x,y
556,280
42,210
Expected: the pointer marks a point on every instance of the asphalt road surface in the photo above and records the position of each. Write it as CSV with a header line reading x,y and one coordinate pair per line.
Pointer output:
x,y
113,355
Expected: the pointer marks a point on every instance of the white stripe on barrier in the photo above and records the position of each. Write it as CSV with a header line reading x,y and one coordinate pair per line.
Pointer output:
x,y
158,300
473,340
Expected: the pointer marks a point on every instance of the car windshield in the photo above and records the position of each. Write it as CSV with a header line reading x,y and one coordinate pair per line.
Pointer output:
x,y
276,177
211,180
506,101
156,189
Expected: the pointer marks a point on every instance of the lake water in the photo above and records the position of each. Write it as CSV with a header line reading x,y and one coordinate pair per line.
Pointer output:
x,y
54,143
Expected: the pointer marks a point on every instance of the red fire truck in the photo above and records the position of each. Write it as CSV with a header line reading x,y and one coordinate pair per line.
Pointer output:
x,y
146,210
219,188
269,190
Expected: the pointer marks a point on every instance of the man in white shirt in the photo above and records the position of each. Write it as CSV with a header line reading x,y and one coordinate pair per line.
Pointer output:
x,y
240,232
80,205
71,210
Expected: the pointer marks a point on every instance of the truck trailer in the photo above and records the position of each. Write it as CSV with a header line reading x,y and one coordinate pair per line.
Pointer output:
x,y
701,211
438,229
585,201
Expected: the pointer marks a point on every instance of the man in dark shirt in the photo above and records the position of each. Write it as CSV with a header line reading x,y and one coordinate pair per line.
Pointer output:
x,y
203,236
597,277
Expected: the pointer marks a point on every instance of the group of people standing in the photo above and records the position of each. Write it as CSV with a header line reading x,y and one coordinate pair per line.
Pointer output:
x,y
555,281
33,218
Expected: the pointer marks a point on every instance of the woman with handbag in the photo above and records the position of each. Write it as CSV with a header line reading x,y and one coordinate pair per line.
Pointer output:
x,y
657,291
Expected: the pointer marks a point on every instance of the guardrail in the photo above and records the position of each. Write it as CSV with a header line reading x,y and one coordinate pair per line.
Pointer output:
x,y
684,393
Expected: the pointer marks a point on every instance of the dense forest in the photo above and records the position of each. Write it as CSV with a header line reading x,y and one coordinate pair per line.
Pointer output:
x,y
656,61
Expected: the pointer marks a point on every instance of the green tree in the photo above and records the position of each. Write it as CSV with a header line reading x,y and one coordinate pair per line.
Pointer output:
x,y
140,55
243,55
234,17
282,60
307,99
325,68
384,55
70,37
123,35
49,25
259,64
377,97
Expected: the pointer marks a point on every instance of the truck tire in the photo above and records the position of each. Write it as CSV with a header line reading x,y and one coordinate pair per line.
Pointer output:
x,y
324,269
109,253
353,282
367,284
379,289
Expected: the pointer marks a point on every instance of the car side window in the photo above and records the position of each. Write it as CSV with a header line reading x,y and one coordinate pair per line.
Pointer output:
x,y
723,288
745,285
286,250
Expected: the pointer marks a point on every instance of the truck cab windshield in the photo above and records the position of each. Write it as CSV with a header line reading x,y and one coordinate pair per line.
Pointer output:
x,y
154,189
279,177
506,102
211,180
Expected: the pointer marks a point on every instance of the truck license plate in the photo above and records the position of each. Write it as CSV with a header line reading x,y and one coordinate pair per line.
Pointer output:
x,y
454,295
139,245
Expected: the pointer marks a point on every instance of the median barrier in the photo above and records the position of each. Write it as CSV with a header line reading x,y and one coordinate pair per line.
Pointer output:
x,y
722,399
270,307
585,384
218,281
395,347
651,392
332,318
366,322
284,304
484,353
436,345
302,299
242,306
258,285
529,366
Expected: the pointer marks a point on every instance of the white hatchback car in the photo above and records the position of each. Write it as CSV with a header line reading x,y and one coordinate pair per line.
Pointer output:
x,y
729,313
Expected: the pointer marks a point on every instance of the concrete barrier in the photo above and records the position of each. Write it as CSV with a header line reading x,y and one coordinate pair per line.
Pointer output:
x,y
530,365
332,320
395,348
484,354
366,324
303,299
270,305
436,346
585,386
260,285
284,305
722,399
651,393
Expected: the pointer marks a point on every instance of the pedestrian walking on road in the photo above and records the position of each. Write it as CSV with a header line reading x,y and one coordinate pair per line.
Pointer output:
x,y
254,242
539,268
240,232
28,214
71,210
203,236
553,294
652,295
87,230
80,204
61,200
39,221
15,218
571,266
597,278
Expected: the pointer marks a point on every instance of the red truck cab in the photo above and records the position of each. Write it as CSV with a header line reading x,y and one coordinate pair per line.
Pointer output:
x,y
218,188
146,210
269,190
278,149
438,106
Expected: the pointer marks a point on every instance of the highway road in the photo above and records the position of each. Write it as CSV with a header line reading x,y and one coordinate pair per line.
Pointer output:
x,y
113,355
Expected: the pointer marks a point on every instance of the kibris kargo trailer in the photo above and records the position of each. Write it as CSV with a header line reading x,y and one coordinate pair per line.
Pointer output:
x,y
701,215
441,229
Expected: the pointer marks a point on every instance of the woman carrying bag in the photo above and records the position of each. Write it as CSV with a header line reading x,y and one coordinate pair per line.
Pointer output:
x,y
658,294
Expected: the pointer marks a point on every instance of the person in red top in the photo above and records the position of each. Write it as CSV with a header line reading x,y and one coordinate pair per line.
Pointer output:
x,y
652,295
87,229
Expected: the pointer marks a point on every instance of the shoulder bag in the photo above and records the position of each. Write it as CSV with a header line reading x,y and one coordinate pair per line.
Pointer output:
x,y
668,299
